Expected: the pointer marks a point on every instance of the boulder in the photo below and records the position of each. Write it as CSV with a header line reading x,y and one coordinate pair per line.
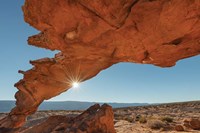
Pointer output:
x,y
179,128
96,119
192,123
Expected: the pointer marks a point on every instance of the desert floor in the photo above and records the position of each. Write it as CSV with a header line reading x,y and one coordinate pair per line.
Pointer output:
x,y
141,119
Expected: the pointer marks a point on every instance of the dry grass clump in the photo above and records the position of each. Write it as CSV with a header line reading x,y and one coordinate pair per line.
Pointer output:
x,y
143,119
126,118
129,119
137,117
118,117
156,124
167,119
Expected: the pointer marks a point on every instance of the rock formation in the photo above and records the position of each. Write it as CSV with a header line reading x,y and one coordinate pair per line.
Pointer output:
x,y
192,123
93,35
179,128
96,119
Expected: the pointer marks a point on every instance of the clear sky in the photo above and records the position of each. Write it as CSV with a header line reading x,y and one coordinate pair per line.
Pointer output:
x,y
124,82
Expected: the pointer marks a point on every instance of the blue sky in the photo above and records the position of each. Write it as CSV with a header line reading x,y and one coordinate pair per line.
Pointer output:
x,y
124,82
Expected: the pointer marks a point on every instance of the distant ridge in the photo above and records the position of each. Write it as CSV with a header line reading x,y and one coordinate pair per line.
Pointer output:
x,y
6,106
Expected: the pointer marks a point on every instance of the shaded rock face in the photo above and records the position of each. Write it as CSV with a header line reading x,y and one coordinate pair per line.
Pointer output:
x,y
93,35
96,119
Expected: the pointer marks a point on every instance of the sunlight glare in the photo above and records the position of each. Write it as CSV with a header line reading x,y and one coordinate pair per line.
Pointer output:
x,y
75,84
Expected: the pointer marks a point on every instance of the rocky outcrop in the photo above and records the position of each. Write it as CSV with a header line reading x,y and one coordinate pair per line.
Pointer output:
x,y
192,123
96,119
93,35
179,128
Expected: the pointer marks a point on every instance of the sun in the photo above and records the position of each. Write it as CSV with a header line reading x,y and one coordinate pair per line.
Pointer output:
x,y
75,84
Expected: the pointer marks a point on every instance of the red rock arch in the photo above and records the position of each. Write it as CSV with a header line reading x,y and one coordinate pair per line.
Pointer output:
x,y
93,35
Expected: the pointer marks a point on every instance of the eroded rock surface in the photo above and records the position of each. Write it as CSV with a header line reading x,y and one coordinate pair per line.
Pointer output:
x,y
93,35
192,123
96,119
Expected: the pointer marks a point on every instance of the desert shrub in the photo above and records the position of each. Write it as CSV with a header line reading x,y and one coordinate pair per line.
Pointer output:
x,y
167,119
143,119
129,119
156,124
119,118
137,117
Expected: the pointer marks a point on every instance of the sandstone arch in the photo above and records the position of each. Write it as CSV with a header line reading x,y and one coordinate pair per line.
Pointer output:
x,y
93,35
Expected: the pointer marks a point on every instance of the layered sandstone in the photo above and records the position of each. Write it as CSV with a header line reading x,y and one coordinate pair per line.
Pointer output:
x,y
96,119
93,35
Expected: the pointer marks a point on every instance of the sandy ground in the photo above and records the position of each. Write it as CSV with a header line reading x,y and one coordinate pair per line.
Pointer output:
x,y
137,119
131,119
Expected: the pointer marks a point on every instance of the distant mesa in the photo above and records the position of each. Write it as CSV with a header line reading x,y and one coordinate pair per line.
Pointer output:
x,y
6,106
